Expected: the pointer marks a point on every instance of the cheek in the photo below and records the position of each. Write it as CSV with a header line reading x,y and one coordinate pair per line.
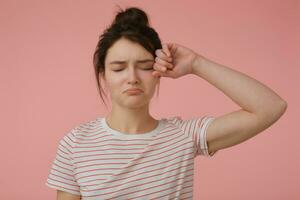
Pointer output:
x,y
148,79
113,83
145,76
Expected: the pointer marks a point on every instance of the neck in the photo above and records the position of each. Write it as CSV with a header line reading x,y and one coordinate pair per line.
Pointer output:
x,y
131,120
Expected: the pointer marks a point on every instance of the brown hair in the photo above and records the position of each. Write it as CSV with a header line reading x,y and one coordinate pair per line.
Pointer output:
x,y
131,24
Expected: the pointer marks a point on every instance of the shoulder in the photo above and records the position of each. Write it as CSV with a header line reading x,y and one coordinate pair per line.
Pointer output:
x,y
177,121
180,122
81,130
174,120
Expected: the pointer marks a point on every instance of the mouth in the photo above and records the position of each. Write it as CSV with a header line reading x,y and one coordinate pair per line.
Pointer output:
x,y
134,91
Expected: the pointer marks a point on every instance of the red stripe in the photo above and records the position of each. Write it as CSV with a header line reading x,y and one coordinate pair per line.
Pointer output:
x,y
141,190
89,138
57,181
59,186
168,150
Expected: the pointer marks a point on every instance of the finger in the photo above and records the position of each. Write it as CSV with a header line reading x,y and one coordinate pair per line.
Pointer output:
x,y
159,67
164,63
166,50
167,73
156,74
159,53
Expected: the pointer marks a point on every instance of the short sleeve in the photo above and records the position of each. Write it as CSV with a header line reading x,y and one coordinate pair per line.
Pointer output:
x,y
200,135
61,176
196,129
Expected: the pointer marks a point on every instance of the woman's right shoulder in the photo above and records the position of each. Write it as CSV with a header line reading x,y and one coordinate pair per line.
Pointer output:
x,y
83,129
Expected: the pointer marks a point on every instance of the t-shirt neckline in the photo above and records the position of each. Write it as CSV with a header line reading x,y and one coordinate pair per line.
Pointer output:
x,y
148,134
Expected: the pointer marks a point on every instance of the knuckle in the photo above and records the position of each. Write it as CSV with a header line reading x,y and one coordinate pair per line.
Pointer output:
x,y
157,67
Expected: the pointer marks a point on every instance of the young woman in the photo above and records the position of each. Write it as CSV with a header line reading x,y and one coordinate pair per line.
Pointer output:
x,y
130,155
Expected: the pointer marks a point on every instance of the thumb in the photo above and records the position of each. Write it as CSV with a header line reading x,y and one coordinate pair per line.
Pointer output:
x,y
156,74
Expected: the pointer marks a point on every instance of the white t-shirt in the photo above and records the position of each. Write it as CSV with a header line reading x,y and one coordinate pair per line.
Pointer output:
x,y
97,162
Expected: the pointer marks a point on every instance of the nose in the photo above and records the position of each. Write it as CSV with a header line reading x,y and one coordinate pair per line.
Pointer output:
x,y
132,76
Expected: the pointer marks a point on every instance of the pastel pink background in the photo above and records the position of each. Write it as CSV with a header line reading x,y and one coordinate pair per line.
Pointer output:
x,y
48,86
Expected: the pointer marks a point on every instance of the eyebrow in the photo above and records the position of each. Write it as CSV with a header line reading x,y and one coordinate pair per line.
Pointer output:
x,y
139,61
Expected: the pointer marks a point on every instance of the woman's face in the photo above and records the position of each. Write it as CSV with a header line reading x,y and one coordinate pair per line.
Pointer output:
x,y
129,65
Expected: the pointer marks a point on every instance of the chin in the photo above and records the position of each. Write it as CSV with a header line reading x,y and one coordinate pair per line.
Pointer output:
x,y
136,103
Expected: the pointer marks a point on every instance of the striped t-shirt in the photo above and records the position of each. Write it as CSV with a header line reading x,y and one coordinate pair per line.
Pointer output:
x,y
97,162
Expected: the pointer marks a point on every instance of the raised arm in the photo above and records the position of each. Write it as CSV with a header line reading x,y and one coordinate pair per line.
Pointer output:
x,y
260,106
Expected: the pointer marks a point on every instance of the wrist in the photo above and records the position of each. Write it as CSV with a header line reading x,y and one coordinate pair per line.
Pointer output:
x,y
196,65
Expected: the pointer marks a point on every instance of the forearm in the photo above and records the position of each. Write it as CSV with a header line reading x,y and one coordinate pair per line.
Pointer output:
x,y
247,92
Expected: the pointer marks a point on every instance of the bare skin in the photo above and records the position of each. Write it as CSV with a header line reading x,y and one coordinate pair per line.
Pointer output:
x,y
260,106
61,195
129,65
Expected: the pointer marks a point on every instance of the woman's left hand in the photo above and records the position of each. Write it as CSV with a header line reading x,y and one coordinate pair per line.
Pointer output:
x,y
176,59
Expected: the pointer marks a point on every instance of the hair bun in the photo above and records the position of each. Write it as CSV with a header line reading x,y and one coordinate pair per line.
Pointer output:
x,y
132,16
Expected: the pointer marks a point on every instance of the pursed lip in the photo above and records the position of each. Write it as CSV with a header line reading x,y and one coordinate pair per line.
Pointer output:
x,y
134,90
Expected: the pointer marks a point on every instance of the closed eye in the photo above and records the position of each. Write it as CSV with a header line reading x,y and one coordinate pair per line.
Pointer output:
x,y
117,70
147,69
